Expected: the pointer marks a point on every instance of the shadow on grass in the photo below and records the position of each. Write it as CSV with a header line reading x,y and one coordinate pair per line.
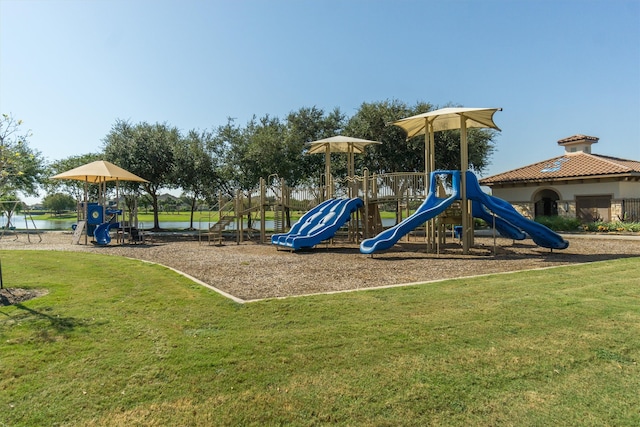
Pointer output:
x,y
60,324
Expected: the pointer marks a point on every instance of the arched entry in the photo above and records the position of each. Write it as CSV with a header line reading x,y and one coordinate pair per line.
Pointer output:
x,y
546,203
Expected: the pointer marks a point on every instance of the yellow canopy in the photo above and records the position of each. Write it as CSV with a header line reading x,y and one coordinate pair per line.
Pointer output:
x,y
340,144
447,119
98,172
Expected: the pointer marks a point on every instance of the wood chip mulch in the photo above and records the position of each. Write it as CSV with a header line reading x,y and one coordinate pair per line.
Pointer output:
x,y
251,271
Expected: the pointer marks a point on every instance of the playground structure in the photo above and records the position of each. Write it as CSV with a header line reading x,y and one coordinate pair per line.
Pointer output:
x,y
244,216
239,215
498,213
92,216
99,219
351,204
354,213
511,223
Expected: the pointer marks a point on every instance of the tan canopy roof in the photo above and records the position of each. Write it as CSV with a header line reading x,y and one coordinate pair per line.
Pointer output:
x,y
97,172
340,144
447,119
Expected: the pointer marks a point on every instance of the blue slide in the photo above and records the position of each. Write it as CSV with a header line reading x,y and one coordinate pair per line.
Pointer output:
x,y
307,220
101,233
320,223
509,222
540,234
430,208
504,228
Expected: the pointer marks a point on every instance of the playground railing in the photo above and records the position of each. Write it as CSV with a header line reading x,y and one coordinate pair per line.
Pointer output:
x,y
396,186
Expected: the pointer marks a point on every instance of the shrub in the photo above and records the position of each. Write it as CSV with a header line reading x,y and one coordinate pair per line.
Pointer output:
x,y
559,223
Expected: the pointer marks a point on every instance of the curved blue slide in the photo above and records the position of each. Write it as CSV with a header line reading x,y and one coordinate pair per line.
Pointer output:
x,y
309,219
505,228
430,208
320,223
539,233
101,233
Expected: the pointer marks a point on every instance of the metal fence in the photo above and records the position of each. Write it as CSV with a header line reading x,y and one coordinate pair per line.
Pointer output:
x,y
631,210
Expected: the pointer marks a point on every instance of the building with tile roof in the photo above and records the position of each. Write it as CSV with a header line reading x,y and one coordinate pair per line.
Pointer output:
x,y
579,183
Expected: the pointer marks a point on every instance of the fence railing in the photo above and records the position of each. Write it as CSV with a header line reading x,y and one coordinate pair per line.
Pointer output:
x,y
381,187
396,186
631,210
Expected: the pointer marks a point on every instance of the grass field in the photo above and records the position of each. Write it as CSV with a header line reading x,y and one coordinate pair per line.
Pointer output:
x,y
121,342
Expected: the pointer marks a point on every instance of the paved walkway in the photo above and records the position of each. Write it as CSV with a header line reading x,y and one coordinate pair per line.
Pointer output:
x,y
610,236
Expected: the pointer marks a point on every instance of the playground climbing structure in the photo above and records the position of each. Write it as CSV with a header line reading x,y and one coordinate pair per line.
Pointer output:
x,y
509,221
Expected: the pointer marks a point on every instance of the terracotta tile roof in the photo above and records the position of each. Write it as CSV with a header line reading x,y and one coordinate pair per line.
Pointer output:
x,y
578,137
570,166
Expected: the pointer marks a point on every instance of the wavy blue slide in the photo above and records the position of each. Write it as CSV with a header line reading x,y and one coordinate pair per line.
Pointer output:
x,y
540,234
307,220
320,223
101,233
505,228
430,208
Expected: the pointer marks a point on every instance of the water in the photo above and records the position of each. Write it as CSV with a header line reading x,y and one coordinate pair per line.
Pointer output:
x,y
20,224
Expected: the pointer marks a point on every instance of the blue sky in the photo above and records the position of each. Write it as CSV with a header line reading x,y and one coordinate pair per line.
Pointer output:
x,y
70,68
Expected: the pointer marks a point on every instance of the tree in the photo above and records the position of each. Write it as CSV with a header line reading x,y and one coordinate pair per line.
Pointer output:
x,y
447,148
71,187
59,202
304,126
237,168
248,151
146,150
21,168
269,146
397,154
196,168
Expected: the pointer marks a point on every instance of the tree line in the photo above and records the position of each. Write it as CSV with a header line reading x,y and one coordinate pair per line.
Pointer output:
x,y
201,163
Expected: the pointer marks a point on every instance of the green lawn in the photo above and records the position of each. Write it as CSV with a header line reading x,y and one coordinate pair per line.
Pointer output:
x,y
122,342
145,217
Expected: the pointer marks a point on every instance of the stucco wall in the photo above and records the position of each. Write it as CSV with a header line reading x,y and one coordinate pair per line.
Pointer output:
x,y
629,190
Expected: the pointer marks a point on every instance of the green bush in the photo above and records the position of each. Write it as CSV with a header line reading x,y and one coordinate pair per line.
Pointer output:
x,y
559,223
480,223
